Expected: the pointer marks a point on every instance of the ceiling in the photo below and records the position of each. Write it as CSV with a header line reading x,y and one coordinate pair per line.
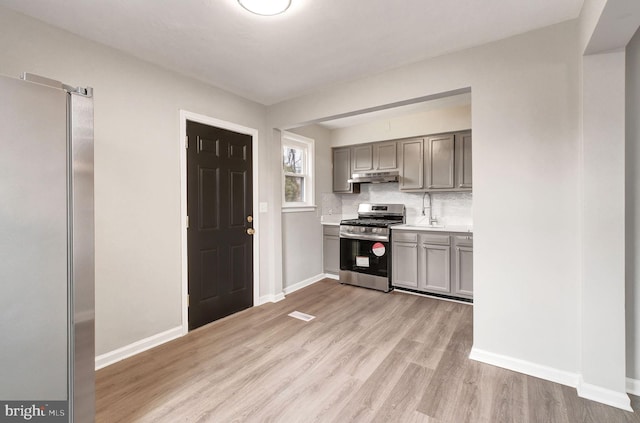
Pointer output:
x,y
315,44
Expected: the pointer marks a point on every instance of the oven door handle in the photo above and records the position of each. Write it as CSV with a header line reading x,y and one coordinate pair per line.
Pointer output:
x,y
365,237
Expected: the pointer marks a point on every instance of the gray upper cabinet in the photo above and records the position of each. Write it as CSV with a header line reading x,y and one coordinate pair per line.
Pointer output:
x,y
331,249
385,156
440,162
412,164
463,160
377,156
362,158
342,170
435,163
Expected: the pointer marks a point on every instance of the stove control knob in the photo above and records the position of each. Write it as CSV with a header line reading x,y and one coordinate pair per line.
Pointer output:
x,y
362,229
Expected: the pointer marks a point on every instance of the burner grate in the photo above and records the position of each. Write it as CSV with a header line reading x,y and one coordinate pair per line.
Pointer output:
x,y
380,223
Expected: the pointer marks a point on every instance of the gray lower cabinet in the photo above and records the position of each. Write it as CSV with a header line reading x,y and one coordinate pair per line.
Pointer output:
x,y
404,259
463,266
434,270
331,249
433,262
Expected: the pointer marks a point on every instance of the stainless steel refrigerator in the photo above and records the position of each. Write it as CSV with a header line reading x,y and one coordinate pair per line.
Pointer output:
x,y
47,351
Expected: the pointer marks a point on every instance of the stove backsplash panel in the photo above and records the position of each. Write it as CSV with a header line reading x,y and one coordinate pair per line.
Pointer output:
x,y
450,208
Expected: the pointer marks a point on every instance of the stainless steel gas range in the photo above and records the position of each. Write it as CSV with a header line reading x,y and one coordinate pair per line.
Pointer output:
x,y
365,245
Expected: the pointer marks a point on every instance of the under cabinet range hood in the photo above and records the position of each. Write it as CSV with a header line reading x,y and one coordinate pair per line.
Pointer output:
x,y
374,177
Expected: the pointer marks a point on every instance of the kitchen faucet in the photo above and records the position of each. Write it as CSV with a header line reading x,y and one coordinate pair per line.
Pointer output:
x,y
432,220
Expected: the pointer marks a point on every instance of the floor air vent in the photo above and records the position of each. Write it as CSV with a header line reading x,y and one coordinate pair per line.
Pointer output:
x,y
302,316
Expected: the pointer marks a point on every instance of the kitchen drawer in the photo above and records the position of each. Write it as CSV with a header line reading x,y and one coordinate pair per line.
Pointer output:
x,y
399,236
331,230
464,240
435,239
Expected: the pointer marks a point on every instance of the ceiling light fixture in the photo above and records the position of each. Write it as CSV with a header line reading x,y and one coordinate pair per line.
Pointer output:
x,y
265,7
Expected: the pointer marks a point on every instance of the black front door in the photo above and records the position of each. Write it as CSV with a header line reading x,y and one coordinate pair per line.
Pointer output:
x,y
220,210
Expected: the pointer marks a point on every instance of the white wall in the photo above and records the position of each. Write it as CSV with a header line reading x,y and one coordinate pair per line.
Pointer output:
x,y
137,169
606,29
589,17
608,25
603,228
525,112
428,122
633,208
302,231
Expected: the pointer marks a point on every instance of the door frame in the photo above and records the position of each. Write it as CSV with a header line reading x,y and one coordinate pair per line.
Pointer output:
x,y
230,126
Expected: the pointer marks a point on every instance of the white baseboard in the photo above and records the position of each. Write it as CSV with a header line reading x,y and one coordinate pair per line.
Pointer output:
x,y
633,386
605,396
137,347
270,298
585,390
526,367
332,276
293,288
417,294
288,290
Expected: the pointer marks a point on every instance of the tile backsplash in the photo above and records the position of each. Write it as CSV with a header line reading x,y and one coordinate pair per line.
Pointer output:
x,y
450,208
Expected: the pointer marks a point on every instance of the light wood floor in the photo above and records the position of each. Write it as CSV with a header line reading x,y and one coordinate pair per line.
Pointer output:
x,y
366,357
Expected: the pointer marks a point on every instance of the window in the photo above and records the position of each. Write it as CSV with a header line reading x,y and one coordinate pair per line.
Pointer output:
x,y
297,173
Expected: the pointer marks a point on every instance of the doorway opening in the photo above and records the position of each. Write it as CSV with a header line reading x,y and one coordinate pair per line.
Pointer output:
x,y
427,140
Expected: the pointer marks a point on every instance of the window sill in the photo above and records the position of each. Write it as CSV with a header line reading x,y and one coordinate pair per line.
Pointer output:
x,y
298,209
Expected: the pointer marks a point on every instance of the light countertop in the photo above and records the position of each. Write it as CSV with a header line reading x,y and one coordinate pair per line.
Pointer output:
x,y
334,219
424,228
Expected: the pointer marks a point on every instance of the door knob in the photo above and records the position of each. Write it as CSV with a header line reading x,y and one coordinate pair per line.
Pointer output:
x,y
251,231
